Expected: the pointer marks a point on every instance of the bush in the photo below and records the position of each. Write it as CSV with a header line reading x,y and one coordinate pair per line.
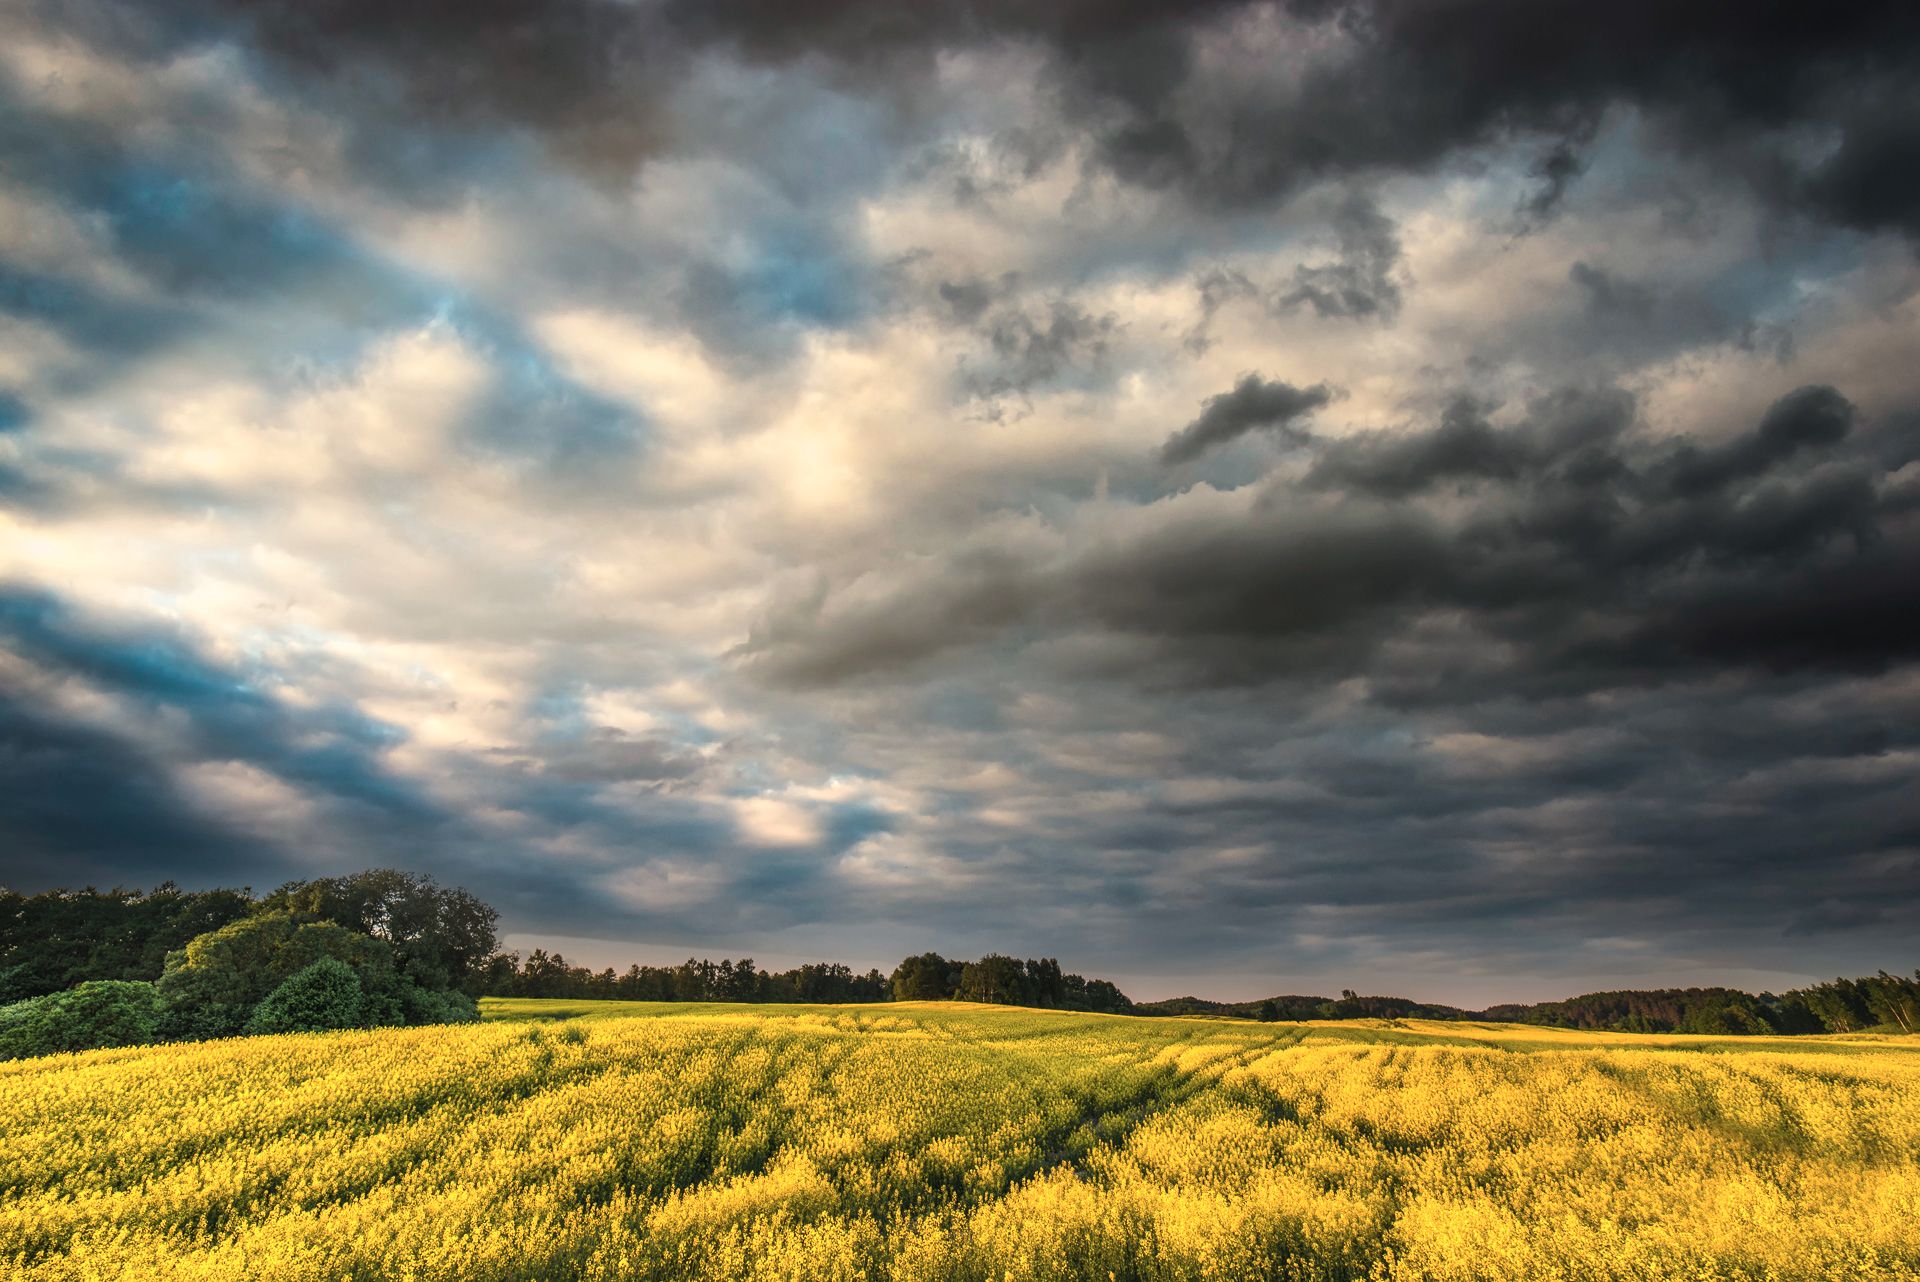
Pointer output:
x,y
396,1002
101,1012
212,987
16,1020
324,996
240,979
427,1006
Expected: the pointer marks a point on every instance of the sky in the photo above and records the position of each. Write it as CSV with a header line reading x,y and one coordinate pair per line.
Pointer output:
x,y
1243,498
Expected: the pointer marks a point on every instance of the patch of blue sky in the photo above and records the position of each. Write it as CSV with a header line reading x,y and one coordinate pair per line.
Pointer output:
x,y
147,663
798,273
534,410
804,283
560,713
14,412
209,244
1777,288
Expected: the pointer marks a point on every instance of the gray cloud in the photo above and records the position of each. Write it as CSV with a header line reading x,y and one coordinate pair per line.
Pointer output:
x,y
595,80
83,806
228,716
606,755
1254,404
1585,560
1360,281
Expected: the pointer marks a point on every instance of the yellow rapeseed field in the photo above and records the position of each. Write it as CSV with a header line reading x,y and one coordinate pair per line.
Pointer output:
x,y
938,1141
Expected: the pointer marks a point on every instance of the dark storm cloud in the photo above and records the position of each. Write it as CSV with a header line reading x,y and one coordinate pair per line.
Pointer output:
x,y
1582,560
226,715
1362,280
1555,171
1726,82
1810,419
1254,404
1723,82
593,79
1626,319
83,802
1464,446
1707,813
81,805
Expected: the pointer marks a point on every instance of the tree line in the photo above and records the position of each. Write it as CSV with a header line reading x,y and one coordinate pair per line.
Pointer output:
x,y
85,968
1006,981
1838,1006
1010,981
544,974
1292,1007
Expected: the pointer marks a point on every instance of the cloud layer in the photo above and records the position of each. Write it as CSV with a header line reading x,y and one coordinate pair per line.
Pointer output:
x,y
1243,496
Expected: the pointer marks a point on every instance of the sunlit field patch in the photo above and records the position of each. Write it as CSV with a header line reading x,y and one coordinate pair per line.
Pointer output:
x,y
620,1140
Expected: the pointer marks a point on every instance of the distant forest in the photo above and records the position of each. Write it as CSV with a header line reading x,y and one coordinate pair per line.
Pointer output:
x,y
1007,981
82,968
1838,1006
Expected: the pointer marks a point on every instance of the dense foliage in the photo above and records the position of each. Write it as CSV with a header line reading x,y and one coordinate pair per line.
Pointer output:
x,y
221,962
61,938
1846,1005
100,1012
322,997
1840,1006
1668,1010
439,937
213,986
1006,981
948,1144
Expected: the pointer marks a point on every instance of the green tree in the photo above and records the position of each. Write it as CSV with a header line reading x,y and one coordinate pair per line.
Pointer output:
x,y
322,996
442,937
100,1012
59,938
1893,1000
1841,1006
994,978
211,986
925,978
